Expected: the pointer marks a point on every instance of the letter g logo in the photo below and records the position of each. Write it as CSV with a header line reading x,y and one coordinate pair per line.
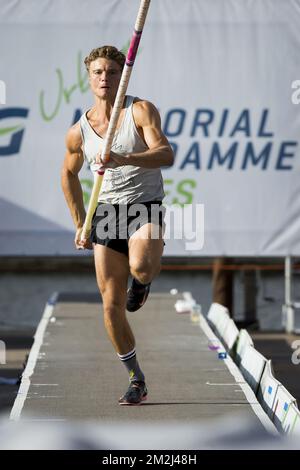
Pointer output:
x,y
15,133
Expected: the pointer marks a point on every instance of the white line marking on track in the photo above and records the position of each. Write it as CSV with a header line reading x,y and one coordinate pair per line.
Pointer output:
x,y
45,396
31,362
42,419
44,385
233,383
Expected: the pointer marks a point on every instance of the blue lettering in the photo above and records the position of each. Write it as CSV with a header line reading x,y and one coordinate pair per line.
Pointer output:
x,y
198,123
242,124
263,156
223,122
261,130
181,113
77,115
283,153
193,157
215,154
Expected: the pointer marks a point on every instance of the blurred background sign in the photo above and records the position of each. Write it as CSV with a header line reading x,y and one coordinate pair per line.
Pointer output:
x,y
215,71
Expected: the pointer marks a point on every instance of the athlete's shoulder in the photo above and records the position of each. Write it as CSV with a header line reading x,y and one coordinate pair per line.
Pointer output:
x,y
143,105
144,111
73,138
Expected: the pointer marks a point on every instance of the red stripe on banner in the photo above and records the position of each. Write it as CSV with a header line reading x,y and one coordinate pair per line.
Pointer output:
x,y
134,44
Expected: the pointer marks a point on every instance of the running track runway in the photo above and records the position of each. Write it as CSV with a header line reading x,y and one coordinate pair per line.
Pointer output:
x,y
73,372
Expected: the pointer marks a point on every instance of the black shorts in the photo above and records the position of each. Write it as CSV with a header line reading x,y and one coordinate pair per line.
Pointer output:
x,y
113,224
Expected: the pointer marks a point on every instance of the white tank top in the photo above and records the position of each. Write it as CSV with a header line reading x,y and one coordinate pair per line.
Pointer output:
x,y
126,184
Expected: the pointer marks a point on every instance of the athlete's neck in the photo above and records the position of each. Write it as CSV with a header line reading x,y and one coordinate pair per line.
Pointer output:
x,y
103,108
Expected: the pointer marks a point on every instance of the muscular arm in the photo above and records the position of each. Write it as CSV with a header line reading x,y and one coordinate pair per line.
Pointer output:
x,y
159,153
69,176
148,122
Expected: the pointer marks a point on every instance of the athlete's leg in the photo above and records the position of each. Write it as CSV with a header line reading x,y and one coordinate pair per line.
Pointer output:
x,y
144,260
112,271
145,253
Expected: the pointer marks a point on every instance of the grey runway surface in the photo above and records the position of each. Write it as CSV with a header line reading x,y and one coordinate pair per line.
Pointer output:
x,y
78,375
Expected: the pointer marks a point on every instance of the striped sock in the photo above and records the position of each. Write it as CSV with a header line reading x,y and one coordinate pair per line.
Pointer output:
x,y
132,365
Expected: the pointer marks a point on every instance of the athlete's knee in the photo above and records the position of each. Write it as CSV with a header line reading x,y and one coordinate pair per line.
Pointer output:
x,y
113,311
114,301
110,293
144,272
143,278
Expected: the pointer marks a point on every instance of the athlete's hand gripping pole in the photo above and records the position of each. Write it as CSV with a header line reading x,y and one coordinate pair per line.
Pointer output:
x,y
130,58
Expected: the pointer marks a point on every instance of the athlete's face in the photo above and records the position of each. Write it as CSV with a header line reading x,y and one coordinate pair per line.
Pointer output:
x,y
104,76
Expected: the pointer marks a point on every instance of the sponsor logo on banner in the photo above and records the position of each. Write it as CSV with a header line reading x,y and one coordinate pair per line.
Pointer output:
x,y
14,134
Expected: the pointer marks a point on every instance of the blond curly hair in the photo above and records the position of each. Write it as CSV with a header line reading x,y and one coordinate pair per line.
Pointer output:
x,y
106,52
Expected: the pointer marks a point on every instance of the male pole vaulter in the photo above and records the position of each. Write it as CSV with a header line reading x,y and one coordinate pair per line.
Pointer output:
x,y
132,176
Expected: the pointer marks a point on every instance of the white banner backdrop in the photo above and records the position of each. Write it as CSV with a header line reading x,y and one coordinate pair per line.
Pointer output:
x,y
221,75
